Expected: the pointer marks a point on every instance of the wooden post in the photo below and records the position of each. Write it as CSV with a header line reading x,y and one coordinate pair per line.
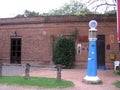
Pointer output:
x,y
58,71
0,69
27,71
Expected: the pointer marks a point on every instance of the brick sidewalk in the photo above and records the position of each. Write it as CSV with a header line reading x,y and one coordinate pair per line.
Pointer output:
x,y
74,75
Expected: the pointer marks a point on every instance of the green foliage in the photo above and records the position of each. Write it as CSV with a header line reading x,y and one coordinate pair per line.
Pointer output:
x,y
64,52
35,81
28,13
117,84
117,72
72,8
77,7
113,12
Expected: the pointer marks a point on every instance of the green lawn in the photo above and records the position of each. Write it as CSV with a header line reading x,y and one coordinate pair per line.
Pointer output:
x,y
35,81
117,72
117,84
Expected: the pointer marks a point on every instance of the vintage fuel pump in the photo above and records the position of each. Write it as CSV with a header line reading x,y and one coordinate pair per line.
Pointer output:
x,y
91,76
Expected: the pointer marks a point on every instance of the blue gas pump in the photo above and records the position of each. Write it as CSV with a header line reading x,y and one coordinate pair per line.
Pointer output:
x,y
91,76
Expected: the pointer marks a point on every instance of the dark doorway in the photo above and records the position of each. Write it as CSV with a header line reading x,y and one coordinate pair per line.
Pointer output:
x,y
15,51
101,52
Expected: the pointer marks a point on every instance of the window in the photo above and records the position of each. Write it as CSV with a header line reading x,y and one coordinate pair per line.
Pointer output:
x,y
16,50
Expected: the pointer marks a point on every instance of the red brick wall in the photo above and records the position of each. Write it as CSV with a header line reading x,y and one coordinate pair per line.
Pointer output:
x,y
36,32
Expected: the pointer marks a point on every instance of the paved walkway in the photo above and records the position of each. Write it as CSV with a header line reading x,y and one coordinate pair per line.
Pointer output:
x,y
74,75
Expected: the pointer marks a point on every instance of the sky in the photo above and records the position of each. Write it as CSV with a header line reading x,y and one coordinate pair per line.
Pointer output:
x,y
11,8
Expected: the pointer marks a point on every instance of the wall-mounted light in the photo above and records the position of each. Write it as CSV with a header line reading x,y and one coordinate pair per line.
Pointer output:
x,y
15,34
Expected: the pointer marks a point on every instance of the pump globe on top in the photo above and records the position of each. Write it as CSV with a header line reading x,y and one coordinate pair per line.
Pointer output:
x,y
93,24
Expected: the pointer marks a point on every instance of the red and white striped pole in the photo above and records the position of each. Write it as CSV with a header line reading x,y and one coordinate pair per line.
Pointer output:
x,y
118,20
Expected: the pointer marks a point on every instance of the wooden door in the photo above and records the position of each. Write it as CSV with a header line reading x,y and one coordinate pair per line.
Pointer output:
x,y
101,51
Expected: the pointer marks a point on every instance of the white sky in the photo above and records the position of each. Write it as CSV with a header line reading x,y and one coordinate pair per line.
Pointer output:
x,y
11,8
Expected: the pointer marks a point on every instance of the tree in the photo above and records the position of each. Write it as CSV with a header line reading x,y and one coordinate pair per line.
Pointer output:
x,y
78,7
101,5
82,7
72,8
28,13
112,12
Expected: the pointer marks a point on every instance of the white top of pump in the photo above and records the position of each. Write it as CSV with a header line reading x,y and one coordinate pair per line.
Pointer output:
x,y
93,24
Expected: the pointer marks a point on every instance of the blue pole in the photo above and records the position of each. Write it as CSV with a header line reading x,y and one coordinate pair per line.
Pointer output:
x,y
92,59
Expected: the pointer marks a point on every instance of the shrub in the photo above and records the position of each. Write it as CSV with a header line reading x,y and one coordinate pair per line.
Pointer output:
x,y
64,52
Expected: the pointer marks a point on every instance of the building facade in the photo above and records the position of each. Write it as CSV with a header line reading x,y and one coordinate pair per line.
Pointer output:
x,y
29,40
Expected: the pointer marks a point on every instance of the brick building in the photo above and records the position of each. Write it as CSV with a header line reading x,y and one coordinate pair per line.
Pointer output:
x,y
29,39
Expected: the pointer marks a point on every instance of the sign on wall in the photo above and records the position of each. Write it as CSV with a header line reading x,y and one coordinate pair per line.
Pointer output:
x,y
111,39
118,20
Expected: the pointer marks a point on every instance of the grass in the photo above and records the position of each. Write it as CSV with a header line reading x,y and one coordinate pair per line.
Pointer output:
x,y
117,72
117,84
35,81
